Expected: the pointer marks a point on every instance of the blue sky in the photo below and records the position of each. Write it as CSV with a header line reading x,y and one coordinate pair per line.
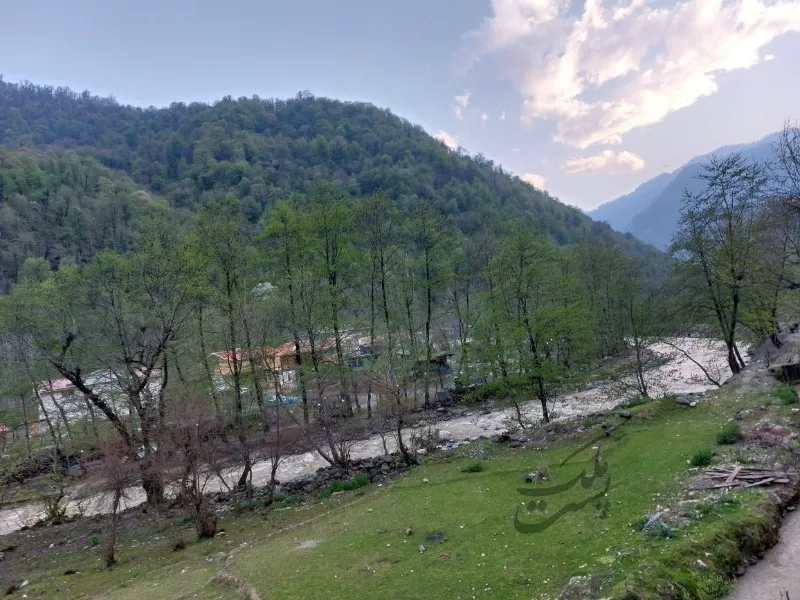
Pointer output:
x,y
588,98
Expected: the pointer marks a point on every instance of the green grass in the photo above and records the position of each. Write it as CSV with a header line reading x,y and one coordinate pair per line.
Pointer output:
x,y
357,546
786,394
729,434
701,458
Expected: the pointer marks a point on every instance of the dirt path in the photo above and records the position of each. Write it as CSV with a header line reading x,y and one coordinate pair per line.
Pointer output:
x,y
778,572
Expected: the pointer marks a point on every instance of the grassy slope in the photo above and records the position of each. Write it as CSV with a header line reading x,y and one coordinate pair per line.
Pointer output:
x,y
362,550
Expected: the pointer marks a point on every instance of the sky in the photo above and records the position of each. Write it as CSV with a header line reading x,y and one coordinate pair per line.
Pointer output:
x,y
584,98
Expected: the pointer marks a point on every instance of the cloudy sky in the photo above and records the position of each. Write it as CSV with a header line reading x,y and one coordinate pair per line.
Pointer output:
x,y
586,98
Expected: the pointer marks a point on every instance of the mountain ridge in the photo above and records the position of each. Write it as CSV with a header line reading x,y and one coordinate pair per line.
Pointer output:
x,y
651,212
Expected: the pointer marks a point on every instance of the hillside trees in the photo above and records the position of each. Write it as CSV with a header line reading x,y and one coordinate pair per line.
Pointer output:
x,y
717,243
122,313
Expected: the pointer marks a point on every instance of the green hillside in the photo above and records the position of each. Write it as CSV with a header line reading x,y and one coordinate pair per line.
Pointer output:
x,y
260,150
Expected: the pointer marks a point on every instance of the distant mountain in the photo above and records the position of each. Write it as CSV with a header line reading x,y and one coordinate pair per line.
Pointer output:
x,y
619,213
652,211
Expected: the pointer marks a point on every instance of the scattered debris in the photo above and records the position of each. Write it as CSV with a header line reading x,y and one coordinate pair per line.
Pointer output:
x,y
737,476
421,548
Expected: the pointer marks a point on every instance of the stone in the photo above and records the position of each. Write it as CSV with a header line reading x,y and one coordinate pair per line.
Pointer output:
x,y
625,414
437,537
739,571
339,493
421,548
692,404
409,531
425,480
701,564
422,451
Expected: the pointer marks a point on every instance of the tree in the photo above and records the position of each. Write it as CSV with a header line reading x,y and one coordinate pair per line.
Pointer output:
x,y
121,315
432,235
220,240
716,244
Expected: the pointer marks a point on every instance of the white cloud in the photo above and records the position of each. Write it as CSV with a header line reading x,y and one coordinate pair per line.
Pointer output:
x,y
448,140
535,180
461,103
503,116
608,161
623,64
769,57
484,117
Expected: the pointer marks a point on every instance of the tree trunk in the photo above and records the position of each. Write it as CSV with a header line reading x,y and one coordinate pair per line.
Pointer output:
x,y
204,356
27,425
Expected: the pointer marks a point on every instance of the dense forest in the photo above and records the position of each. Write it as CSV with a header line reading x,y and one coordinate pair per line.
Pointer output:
x,y
60,144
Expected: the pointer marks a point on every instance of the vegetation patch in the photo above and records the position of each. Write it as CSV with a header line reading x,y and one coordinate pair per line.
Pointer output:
x,y
729,434
702,457
786,394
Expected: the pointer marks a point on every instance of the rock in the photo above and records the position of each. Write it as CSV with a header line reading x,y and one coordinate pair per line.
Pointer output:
x,y
339,493
684,400
425,480
701,564
739,571
692,404
422,452
409,531
791,508
421,548
437,537
625,414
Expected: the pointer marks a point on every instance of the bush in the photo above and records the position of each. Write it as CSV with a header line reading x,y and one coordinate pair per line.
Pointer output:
x,y
786,394
702,458
635,401
359,481
475,467
501,389
729,434
94,540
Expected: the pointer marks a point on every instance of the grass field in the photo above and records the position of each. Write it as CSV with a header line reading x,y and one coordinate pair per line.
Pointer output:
x,y
356,545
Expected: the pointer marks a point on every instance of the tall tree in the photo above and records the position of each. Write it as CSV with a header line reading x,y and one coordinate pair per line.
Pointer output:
x,y
716,245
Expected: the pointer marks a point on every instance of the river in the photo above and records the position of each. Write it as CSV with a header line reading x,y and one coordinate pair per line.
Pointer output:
x,y
677,376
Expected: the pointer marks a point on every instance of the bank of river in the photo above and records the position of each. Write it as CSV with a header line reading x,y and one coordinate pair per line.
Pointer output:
x,y
677,376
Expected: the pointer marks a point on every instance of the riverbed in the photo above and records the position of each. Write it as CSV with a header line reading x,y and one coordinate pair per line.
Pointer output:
x,y
679,375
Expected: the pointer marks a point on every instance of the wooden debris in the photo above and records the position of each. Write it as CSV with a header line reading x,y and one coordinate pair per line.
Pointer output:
x,y
736,476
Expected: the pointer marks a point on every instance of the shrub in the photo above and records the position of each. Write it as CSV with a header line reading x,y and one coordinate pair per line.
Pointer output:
x,y
94,540
475,467
589,422
701,458
338,485
635,401
729,434
786,394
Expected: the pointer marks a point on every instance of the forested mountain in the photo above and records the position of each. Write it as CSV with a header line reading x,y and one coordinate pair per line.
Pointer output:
x,y
651,212
259,150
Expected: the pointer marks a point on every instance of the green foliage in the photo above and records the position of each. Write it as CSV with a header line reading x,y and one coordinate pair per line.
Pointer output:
x,y
786,394
729,434
259,150
359,481
94,541
702,457
635,401
475,467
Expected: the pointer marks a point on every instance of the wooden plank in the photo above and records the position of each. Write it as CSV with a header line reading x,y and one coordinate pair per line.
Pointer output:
x,y
762,482
733,475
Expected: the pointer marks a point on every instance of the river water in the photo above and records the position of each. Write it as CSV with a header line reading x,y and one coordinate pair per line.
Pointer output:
x,y
678,376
